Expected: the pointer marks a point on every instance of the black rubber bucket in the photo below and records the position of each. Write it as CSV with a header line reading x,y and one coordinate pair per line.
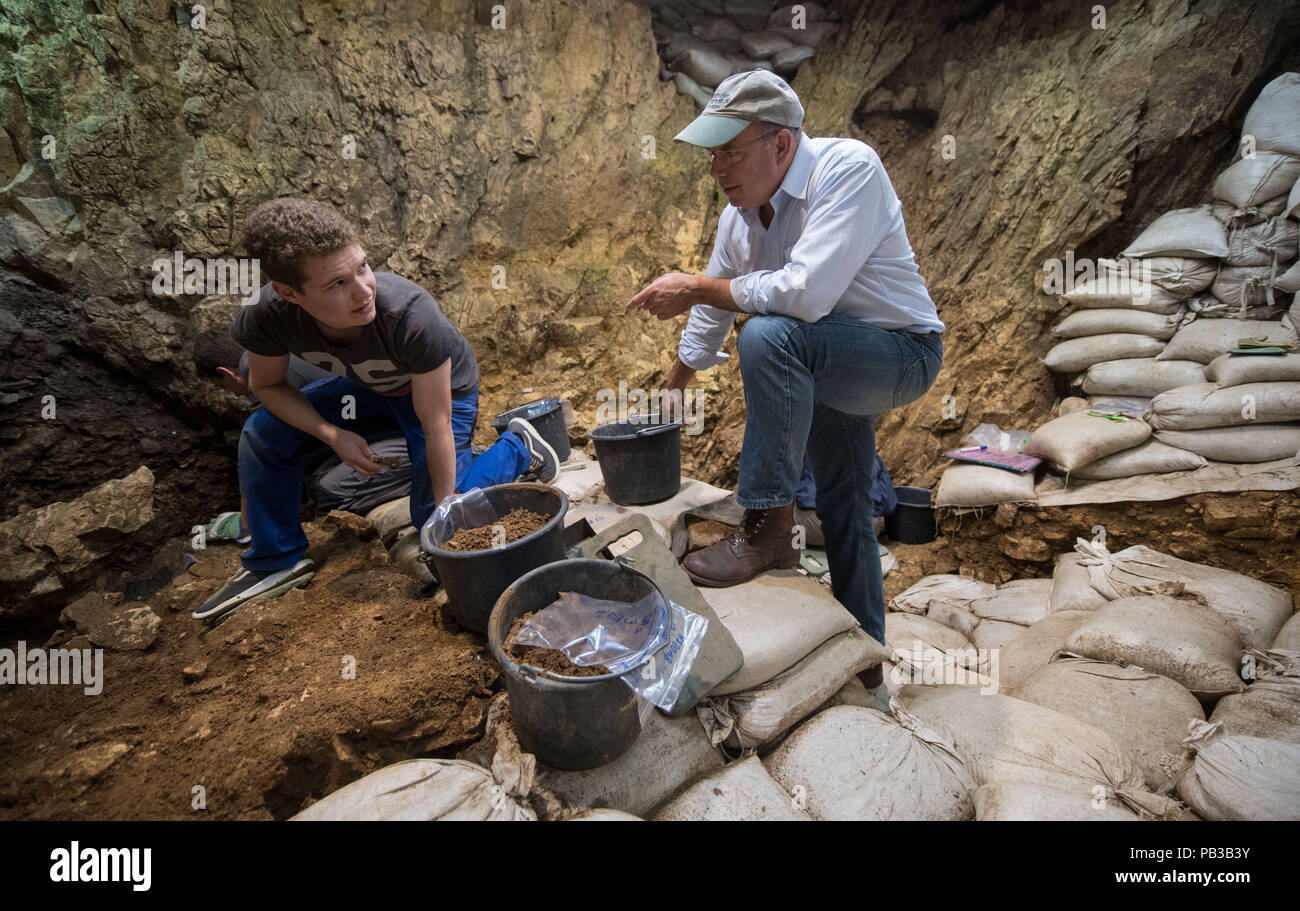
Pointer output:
x,y
570,723
641,461
474,579
547,415
912,522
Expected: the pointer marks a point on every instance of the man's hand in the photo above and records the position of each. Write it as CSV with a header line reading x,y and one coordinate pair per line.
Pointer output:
x,y
353,450
673,294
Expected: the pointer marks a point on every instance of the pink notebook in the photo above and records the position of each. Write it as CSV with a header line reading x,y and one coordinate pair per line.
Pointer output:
x,y
996,458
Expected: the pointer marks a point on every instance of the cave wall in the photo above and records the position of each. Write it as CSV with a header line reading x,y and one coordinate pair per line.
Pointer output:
x,y
542,148
1063,137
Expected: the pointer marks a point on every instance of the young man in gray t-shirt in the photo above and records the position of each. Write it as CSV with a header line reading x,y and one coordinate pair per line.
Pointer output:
x,y
394,355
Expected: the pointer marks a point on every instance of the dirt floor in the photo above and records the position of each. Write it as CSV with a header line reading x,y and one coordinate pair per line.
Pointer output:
x,y
284,702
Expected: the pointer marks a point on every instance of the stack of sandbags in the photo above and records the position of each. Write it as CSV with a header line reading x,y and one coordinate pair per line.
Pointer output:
x,y
1255,609
800,648
1032,762
1004,616
1252,414
1247,762
702,42
1118,316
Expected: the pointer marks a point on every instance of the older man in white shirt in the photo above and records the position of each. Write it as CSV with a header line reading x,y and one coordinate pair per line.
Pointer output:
x,y
843,329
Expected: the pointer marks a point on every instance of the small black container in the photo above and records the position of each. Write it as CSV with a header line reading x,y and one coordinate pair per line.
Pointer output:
x,y
547,415
641,460
912,522
570,723
474,579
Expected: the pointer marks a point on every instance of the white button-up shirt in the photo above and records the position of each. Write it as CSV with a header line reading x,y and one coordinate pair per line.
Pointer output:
x,y
836,244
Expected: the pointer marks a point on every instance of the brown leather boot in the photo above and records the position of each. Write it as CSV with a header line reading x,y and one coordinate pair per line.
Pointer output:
x,y
763,541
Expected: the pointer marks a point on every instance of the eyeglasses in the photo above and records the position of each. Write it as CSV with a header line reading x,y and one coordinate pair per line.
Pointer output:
x,y
733,155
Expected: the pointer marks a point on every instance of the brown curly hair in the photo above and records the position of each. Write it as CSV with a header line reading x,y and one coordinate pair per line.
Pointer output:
x,y
281,233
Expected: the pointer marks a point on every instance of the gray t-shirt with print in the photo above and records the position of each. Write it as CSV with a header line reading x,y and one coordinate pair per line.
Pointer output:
x,y
409,334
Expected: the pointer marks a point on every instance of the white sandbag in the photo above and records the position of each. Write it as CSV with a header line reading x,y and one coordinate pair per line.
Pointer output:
x,y
1107,291
1002,738
1250,181
605,814
1036,645
1237,369
670,753
421,789
776,621
905,632
1256,609
1206,405
1023,601
1077,439
705,65
983,485
1141,376
1288,637
764,44
1241,778
1240,445
390,518
1232,217
1151,457
1272,119
1270,709
1077,354
995,634
851,763
742,792
1293,202
1205,339
1247,290
943,588
1193,232
1133,405
953,617
758,717
1179,275
787,62
1072,404
1146,713
1083,323
855,693
1034,801
1182,640
1288,281
1273,240
1207,306
1072,586
689,87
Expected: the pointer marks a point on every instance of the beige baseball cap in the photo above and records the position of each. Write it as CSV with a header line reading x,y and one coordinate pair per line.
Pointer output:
x,y
739,101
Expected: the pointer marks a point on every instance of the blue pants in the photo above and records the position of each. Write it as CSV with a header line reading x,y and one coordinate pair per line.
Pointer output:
x,y
816,387
272,454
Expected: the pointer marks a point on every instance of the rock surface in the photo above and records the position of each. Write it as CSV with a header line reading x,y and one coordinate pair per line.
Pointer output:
x,y
46,553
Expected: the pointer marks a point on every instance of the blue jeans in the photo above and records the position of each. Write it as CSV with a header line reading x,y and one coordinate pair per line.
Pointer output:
x,y
272,454
818,386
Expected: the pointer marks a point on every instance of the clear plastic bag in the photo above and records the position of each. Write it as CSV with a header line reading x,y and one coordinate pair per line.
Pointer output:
x,y
994,437
651,644
470,509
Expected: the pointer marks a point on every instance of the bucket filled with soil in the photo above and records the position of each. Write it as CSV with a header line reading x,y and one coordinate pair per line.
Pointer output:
x,y
477,563
640,460
569,717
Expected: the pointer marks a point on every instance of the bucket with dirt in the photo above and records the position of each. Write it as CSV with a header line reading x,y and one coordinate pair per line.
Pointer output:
x,y
641,460
476,564
547,415
568,722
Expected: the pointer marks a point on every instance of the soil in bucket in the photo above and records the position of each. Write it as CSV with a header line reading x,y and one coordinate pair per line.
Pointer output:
x,y
518,523
547,659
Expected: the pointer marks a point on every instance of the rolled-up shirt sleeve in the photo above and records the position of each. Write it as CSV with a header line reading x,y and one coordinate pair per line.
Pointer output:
x,y
706,327
846,220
